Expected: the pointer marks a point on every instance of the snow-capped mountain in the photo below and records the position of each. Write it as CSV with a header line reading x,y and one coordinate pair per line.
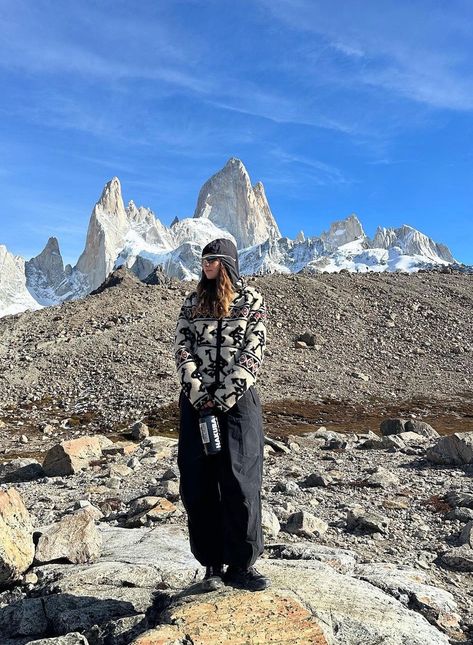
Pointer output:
x,y
227,206
14,295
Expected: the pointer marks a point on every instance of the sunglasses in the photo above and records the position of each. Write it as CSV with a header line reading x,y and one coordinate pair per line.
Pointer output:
x,y
208,261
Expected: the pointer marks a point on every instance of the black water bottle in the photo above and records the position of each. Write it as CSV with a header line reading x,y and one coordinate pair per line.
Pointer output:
x,y
210,433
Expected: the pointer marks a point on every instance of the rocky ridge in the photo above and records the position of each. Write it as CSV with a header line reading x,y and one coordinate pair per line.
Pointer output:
x,y
227,206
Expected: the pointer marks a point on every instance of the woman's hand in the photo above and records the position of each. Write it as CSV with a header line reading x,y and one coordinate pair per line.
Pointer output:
x,y
209,404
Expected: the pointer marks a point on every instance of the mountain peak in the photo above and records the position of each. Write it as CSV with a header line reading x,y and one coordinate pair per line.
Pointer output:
x,y
235,162
411,242
111,199
230,202
343,231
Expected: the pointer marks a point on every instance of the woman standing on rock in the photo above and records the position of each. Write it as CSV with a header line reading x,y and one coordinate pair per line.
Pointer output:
x,y
219,345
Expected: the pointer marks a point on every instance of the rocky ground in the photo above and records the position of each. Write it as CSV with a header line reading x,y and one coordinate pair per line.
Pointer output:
x,y
355,507
376,346
376,341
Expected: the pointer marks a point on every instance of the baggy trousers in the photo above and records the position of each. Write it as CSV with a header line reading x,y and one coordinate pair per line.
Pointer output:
x,y
222,493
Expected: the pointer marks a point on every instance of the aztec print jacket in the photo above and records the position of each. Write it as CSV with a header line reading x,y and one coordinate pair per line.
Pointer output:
x,y
218,359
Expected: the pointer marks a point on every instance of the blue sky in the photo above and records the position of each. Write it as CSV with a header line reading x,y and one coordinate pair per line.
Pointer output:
x,y
348,106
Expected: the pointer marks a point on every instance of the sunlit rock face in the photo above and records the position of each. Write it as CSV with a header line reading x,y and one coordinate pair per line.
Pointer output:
x,y
229,201
106,234
411,242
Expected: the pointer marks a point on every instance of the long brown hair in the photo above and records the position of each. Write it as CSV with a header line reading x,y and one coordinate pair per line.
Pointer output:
x,y
214,296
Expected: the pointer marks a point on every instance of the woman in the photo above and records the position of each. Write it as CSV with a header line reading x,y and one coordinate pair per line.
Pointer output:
x,y
219,345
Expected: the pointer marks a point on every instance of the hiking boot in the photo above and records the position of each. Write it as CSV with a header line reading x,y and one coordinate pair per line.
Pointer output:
x,y
213,578
250,579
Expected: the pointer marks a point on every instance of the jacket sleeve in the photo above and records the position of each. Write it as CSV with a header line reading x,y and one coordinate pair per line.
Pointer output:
x,y
243,374
186,364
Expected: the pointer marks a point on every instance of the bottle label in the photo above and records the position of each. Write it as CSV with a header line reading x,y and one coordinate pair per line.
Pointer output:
x,y
204,433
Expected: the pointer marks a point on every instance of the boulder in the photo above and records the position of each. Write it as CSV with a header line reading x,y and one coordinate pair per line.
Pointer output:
x,y
414,425
466,535
393,442
170,490
459,499
459,558
75,539
369,521
278,446
21,470
270,522
149,509
455,449
16,537
370,441
413,438
139,431
392,426
69,457
350,610
305,523
237,617
381,478
411,587
317,479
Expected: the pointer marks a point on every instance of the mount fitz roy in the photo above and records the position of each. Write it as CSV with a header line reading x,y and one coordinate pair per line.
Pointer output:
x,y
227,206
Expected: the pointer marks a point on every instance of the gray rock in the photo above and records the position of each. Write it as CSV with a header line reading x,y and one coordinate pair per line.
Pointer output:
x,y
360,376
466,535
393,442
288,487
170,473
410,585
310,339
370,441
170,490
21,470
459,558
165,549
23,618
413,438
381,478
342,560
303,523
414,425
459,499
317,479
351,610
461,514
16,536
121,631
392,426
456,449
278,446
75,538
73,638
270,522
139,431
370,521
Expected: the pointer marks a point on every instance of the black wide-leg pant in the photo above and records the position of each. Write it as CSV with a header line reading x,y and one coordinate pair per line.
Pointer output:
x,y
222,493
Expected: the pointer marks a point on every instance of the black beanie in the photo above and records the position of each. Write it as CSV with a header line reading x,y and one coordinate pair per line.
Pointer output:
x,y
227,253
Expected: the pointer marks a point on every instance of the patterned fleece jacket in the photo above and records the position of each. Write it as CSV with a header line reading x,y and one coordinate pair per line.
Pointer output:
x,y
218,359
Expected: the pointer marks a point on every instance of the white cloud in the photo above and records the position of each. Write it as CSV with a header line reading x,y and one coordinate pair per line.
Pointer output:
x,y
416,50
